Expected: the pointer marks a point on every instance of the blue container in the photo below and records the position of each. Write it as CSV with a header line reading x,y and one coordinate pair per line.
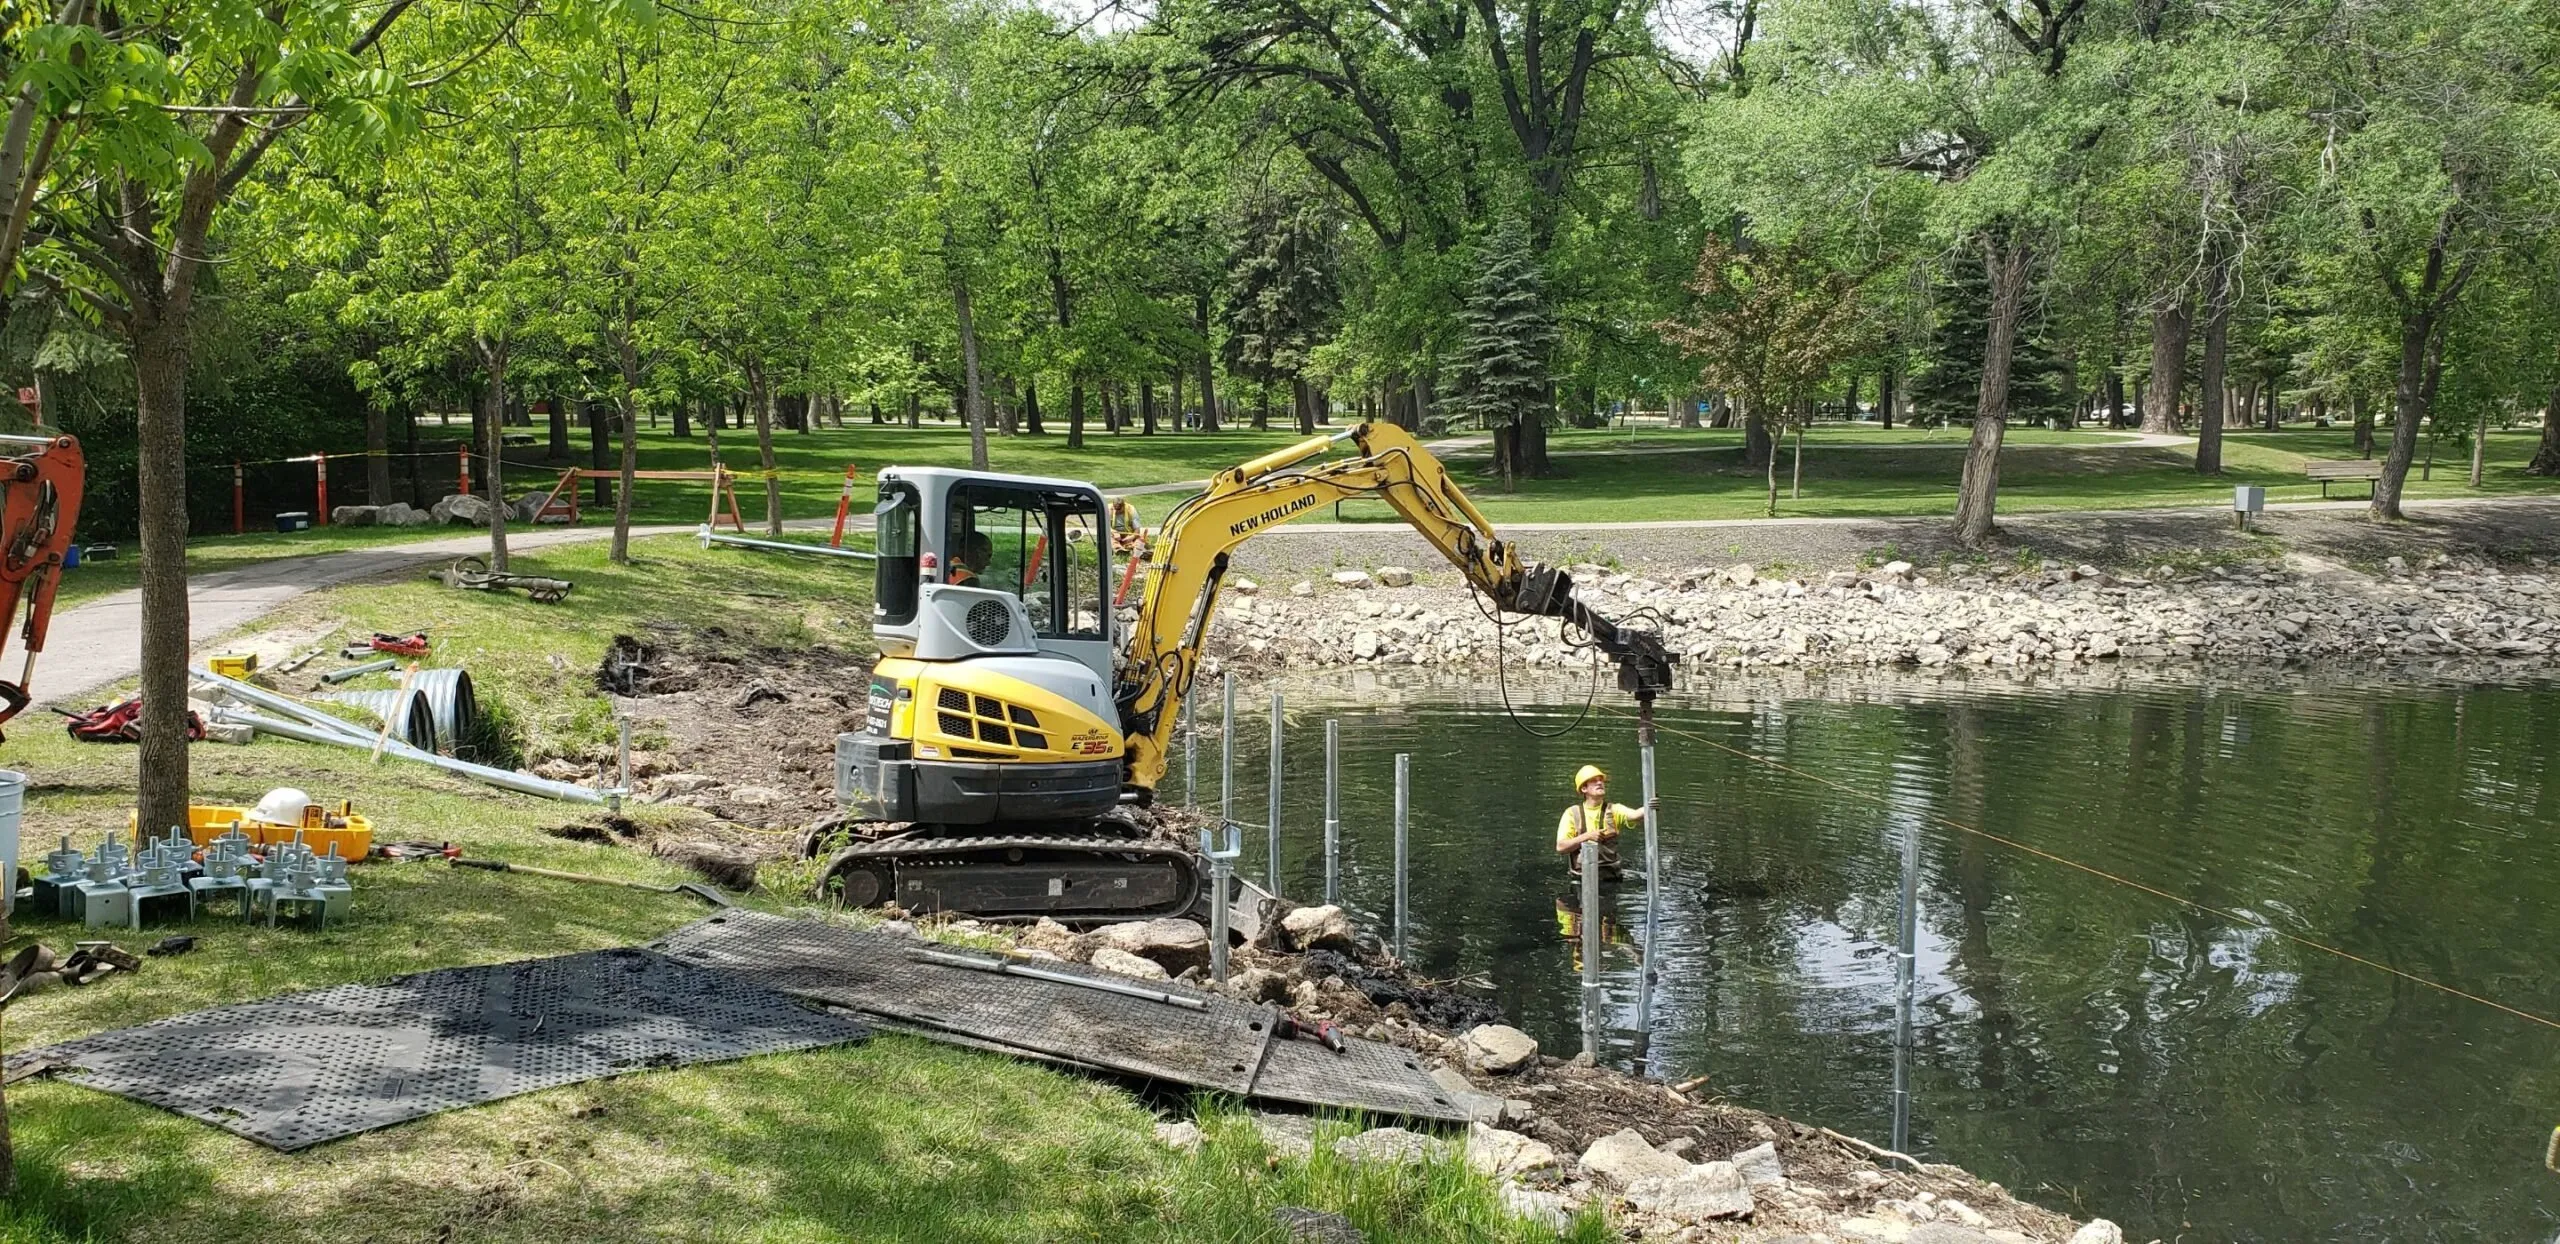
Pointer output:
x,y
70,556
294,520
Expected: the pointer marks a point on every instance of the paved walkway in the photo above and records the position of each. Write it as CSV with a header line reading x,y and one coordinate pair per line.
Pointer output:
x,y
101,642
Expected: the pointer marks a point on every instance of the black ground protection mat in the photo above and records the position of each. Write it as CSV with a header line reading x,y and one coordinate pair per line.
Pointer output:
x,y
304,1068
1223,1045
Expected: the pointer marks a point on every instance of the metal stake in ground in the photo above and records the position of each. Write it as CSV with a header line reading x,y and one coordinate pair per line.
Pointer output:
x,y
1222,870
1650,974
1190,752
1404,807
1904,963
1271,823
1591,925
1227,751
1332,811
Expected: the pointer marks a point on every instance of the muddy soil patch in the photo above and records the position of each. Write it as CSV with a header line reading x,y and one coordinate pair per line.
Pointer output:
x,y
745,731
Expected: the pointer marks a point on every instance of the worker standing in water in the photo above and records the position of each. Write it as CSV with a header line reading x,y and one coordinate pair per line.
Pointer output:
x,y
1595,819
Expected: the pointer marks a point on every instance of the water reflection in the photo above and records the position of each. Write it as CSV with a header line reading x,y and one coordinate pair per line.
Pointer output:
x,y
2092,1046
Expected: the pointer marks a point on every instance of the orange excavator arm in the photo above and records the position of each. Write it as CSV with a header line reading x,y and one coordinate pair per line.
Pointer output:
x,y
40,484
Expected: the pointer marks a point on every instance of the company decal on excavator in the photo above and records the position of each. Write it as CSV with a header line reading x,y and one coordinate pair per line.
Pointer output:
x,y
1090,743
1275,514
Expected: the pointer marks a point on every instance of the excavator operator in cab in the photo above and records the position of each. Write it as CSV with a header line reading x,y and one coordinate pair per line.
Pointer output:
x,y
975,553
1594,819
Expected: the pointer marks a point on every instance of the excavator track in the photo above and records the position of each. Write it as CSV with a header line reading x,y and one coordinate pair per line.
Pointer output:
x,y
1104,873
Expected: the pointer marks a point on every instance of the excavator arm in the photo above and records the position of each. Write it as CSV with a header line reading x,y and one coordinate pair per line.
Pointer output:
x,y
39,505
1191,554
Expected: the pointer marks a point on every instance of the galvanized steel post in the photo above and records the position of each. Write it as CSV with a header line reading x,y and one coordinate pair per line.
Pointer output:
x,y
622,786
1905,965
1591,925
1190,753
1332,811
1227,751
1222,869
1271,824
1650,974
1404,808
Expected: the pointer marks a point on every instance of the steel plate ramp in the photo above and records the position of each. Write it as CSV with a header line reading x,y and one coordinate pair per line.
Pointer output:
x,y
297,1070
1205,1039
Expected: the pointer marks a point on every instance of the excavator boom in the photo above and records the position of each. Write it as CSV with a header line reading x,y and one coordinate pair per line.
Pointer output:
x,y
1191,557
40,486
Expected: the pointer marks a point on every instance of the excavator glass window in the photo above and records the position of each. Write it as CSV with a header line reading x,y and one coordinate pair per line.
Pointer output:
x,y
1035,544
895,591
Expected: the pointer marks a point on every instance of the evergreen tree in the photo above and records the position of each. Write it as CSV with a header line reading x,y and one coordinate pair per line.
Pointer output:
x,y
1950,387
1281,297
1506,343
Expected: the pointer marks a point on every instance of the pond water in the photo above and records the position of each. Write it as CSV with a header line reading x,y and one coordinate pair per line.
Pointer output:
x,y
2096,1048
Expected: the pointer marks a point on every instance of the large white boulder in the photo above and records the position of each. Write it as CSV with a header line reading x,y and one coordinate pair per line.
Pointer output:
x,y
1499,1048
1319,928
1174,944
1623,1157
1508,1155
1704,1192
1122,963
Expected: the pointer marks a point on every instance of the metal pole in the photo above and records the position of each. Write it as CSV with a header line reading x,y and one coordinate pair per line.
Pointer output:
x,y
1905,963
1227,752
1190,753
1332,811
1591,921
1222,867
1404,808
622,788
1271,822
1651,974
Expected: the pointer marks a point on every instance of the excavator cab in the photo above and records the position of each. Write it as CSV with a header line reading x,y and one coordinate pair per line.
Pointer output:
x,y
992,698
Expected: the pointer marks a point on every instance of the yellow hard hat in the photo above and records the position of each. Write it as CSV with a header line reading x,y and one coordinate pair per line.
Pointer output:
x,y
1584,775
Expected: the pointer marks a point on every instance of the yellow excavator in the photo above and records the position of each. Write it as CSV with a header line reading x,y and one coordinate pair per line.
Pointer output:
x,y
1007,726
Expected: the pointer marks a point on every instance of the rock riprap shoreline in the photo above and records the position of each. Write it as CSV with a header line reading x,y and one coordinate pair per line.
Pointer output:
x,y
1895,614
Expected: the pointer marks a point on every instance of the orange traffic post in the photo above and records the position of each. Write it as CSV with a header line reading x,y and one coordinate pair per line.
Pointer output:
x,y
844,504
320,513
462,469
239,500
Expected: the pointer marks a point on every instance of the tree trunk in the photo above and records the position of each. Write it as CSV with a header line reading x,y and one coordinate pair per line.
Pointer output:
x,y
160,432
559,451
1533,447
975,394
1303,394
1147,407
1075,411
2115,397
760,399
2479,442
2360,412
2546,457
493,442
684,421
377,454
1207,362
1978,496
2412,394
1757,450
1885,399
1175,402
2269,390
1262,407
627,416
1769,460
2168,369
2210,393
1795,487
599,448
1031,405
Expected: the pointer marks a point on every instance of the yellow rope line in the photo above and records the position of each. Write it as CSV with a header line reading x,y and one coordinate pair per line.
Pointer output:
x,y
2128,882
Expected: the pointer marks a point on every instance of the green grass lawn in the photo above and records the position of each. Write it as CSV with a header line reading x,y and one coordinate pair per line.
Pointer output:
x,y
897,1140
1919,478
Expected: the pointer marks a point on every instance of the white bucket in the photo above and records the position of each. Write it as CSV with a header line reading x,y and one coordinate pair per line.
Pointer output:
x,y
13,795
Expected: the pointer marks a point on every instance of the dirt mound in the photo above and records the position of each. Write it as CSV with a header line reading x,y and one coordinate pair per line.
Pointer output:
x,y
745,732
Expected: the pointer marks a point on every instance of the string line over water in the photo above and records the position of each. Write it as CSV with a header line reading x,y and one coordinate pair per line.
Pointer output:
x,y
2103,875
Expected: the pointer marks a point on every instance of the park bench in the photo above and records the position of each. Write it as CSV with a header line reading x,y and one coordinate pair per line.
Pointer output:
x,y
2335,470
